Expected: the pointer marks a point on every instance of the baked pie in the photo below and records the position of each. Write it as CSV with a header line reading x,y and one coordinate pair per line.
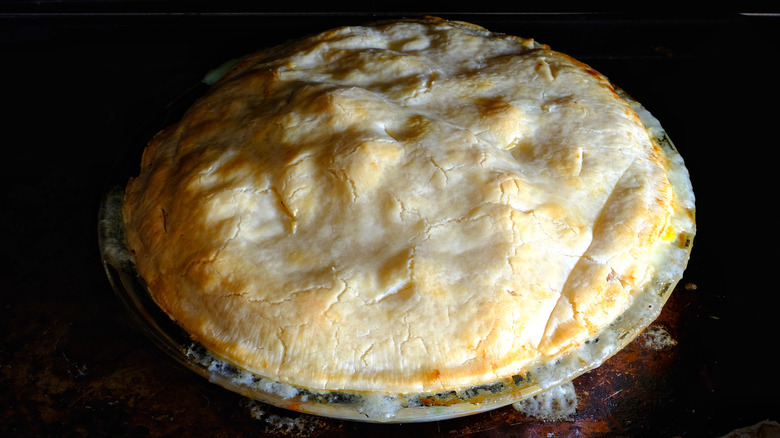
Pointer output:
x,y
414,219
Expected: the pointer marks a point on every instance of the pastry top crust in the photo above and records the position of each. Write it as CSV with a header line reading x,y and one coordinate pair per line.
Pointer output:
x,y
409,206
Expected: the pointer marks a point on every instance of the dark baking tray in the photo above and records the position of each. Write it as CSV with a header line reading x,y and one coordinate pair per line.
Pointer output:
x,y
87,82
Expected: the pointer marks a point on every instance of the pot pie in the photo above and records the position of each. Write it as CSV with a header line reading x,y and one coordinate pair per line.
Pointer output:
x,y
416,215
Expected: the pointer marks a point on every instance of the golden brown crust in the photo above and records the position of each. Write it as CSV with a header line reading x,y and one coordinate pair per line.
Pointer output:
x,y
406,207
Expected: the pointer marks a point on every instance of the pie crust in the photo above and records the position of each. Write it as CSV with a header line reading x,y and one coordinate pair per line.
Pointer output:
x,y
409,209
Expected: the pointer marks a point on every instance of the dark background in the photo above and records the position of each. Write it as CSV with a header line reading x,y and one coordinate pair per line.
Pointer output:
x,y
84,82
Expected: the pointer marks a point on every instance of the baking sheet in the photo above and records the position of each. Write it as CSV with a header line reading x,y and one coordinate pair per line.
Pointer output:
x,y
83,84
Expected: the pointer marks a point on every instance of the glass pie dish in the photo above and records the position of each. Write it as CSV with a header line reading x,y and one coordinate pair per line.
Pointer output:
x,y
669,260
